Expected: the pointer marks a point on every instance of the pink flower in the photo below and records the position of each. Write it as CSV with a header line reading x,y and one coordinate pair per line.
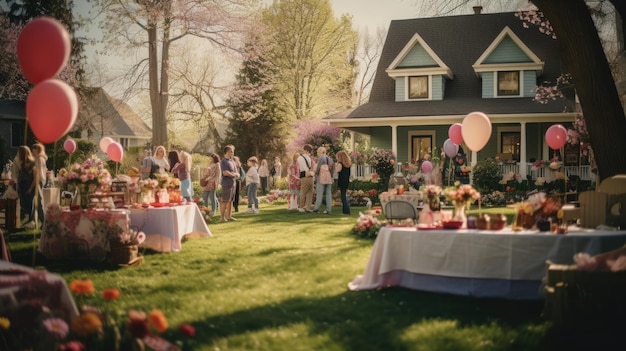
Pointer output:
x,y
187,330
72,346
56,327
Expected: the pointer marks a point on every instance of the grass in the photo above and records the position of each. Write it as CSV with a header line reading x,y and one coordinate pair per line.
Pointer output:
x,y
277,280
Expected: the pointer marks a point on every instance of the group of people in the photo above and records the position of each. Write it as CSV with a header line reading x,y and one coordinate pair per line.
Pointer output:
x,y
29,172
305,174
178,163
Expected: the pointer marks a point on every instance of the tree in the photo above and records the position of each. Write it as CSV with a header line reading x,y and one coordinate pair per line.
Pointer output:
x,y
367,56
583,55
258,126
156,25
313,54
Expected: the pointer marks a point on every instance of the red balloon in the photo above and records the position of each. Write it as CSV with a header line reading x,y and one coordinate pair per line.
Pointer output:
x,y
455,133
43,49
51,110
70,146
556,136
115,151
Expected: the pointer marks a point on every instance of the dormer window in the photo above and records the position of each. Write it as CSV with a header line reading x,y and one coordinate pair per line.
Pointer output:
x,y
508,83
418,88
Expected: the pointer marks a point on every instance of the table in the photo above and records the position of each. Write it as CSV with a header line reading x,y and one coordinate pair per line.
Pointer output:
x,y
166,226
19,283
501,264
81,234
414,197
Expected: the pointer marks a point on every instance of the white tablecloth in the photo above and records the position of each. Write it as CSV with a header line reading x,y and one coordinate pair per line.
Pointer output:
x,y
473,262
165,227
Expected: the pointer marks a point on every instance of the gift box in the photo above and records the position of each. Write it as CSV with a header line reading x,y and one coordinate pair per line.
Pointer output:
x,y
584,300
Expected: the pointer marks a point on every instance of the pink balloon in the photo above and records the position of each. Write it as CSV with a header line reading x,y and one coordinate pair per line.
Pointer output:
x,y
115,151
476,130
455,133
104,143
70,146
43,49
556,136
427,167
450,148
51,110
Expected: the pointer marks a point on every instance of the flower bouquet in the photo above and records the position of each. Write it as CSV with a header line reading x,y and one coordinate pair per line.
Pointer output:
x,y
125,248
461,197
86,178
367,226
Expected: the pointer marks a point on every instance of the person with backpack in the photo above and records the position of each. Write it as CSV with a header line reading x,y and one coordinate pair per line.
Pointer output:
x,y
324,180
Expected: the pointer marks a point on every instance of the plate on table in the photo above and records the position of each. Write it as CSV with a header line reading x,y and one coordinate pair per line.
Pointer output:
x,y
159,204
428,227
452,224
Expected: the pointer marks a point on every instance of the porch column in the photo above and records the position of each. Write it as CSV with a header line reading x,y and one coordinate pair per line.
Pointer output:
x,y
394,139
522,150
351,141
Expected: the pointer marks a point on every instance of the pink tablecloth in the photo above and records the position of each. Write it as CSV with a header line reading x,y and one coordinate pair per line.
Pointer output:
x,y
165,227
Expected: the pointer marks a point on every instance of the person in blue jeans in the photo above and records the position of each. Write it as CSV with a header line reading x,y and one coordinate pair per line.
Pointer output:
x,y
252,181
323,180
212,175
343,180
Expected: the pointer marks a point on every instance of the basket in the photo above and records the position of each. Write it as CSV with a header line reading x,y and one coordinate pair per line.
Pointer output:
x,y
123,254
586,300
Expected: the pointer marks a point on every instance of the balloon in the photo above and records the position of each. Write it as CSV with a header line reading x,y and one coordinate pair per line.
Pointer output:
x,y
476,130
556,136
115,151
455,134
104,143
427,167
450,148
43,49
70,146
51,110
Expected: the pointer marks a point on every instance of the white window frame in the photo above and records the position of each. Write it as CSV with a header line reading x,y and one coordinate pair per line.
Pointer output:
x,y
496,80
407,93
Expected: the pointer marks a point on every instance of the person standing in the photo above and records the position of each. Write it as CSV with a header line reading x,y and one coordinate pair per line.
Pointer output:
x,y
182,169
264,173
24,174
146,165
306,179
212,175
39,153
173,159
293,175
276,172
252,181
160,160
229,175
238,182
343,179
324,180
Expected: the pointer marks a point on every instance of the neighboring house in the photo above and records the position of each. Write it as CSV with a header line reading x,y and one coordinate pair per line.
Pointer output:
x,y
12,122
434,71
102,115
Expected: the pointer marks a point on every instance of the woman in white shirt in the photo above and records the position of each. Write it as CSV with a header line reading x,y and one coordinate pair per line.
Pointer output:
x,y
160,159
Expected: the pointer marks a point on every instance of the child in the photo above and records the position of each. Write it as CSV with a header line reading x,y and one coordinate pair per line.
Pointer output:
x,y
252,180
294,183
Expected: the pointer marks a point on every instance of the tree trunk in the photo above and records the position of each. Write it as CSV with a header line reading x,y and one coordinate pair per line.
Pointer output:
x,y
155,95
584,58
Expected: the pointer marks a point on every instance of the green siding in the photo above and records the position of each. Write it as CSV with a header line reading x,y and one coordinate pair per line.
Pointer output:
x,y
400,88
530,82
438,86
507,52
380,137
417,57
488,84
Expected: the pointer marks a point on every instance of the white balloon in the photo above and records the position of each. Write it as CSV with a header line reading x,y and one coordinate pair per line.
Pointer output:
x,y
104,143
476,130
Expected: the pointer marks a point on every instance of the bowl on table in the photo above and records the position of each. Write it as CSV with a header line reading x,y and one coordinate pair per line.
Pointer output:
x,y
452,224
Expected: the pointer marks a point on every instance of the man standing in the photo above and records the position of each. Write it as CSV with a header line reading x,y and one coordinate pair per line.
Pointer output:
x,y
306,179
229,175
146,164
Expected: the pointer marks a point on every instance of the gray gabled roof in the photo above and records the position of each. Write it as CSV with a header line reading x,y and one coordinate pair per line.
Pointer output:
x,y
118,119
459,41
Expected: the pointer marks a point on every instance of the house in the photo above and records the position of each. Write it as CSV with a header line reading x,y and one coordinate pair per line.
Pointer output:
x,y
12,122
102,115
434,71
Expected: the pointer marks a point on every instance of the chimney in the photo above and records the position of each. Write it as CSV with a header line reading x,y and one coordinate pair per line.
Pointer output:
x,y
477,9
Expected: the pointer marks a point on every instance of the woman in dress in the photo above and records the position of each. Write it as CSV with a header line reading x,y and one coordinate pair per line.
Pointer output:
x,y
343,179
160,159
277,170
25,176
212,175
294,182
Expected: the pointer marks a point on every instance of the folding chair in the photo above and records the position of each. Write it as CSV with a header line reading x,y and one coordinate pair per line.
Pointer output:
x,y
400,210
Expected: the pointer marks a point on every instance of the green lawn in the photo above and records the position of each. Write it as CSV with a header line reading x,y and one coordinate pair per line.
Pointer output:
x,y
278,281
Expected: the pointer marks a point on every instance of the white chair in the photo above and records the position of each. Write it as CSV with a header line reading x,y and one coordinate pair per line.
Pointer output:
x,y
400,210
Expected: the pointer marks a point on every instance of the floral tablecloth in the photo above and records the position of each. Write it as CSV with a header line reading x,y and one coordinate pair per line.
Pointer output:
x,y
414,197
81,234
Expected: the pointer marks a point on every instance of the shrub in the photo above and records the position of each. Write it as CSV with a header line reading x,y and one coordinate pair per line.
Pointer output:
x,y
486,175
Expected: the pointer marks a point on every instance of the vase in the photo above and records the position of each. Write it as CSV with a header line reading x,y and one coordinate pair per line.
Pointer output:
x,y
459,214
82,196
